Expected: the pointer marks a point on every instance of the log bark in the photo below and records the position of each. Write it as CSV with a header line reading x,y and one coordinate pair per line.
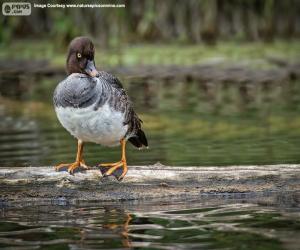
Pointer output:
x,y
155,182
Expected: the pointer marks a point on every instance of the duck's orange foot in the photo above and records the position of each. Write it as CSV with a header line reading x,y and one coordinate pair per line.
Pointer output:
x,y
72,168
117,169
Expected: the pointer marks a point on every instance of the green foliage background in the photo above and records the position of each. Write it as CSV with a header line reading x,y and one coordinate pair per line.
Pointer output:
x,y
169,21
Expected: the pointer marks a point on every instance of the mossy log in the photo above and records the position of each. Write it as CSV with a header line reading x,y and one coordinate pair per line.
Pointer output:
x,y
201,72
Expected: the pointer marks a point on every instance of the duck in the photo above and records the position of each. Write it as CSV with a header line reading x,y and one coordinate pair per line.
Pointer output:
x,y
93,107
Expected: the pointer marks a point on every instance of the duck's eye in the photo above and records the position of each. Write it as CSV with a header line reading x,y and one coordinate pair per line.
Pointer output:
x,y
78,55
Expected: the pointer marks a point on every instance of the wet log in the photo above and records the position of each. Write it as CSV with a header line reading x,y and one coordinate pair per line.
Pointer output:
x,y
212,72
29,67
43,184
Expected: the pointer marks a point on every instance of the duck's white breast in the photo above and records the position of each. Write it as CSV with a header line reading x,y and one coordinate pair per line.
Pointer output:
x,y
103,126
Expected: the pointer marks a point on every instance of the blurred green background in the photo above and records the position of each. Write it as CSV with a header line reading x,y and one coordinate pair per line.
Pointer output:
x,y
151,32
216,82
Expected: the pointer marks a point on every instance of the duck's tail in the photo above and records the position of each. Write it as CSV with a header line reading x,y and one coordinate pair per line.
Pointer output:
x,y
139,139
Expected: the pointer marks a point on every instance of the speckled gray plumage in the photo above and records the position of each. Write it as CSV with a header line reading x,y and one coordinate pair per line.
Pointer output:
x,y
77,91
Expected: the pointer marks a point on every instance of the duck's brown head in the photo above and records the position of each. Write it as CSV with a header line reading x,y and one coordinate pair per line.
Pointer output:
x,y
81,57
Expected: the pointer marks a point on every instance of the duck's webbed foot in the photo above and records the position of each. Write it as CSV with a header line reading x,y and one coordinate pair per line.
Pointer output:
x,y
117,169
76,166
72,168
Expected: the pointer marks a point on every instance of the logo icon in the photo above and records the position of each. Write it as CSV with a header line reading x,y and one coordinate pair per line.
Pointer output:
x,y
16,9
7,9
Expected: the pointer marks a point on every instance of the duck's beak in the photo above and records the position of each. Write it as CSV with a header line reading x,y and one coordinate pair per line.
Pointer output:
x,y
90,69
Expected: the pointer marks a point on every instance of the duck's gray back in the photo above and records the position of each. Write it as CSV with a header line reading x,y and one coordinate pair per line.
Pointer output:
x,y
77,91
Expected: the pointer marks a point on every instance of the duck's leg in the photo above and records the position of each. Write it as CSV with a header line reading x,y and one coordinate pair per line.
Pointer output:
x,y
111,168
79,162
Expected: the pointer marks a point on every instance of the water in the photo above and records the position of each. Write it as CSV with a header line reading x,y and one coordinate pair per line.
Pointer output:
x,y
214,222
187,123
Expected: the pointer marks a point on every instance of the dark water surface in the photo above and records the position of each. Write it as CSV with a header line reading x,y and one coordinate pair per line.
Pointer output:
x,y
214,222
187,123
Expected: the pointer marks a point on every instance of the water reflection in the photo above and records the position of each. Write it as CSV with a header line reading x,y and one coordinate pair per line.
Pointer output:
x,y
187,122
212,223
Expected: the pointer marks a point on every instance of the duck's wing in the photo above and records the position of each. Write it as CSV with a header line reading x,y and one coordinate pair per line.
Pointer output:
x,y
120,101
112,80
76,91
